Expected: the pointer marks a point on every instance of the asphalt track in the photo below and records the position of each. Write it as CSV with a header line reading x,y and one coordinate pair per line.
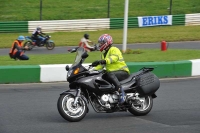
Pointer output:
x,y
57,50
31,108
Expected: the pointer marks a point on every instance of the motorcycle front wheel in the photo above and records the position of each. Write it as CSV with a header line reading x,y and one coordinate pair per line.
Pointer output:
x,y
50,45
29,44
141,106
69,111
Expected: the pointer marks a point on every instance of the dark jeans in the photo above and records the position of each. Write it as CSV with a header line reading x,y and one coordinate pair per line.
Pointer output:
x,y
116,76
22,57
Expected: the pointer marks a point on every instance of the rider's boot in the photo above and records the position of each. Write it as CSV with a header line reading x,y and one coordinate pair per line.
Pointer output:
x,y
122,96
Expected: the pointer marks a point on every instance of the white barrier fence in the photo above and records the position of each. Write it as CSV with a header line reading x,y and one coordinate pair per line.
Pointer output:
x,y
192,19
90,24
70,25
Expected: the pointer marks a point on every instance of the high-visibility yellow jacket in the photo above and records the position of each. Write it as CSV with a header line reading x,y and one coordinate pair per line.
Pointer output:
x,y
114,61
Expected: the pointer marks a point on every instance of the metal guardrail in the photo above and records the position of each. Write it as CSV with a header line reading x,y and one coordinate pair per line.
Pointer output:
x,y
192,19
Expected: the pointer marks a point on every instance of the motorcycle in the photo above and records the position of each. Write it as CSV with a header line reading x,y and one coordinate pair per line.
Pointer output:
x,y
46,42
87,86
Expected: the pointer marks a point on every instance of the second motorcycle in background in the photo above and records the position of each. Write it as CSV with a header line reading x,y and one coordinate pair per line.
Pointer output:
x,y
31,43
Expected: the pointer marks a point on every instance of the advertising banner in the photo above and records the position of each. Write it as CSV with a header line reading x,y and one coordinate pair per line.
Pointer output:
x,y
154,20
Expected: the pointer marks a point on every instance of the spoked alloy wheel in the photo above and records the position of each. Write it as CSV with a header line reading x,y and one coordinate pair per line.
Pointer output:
x,y
69,111
141,106
50,45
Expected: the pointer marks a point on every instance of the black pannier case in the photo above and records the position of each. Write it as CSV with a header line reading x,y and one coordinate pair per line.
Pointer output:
x,y
147,84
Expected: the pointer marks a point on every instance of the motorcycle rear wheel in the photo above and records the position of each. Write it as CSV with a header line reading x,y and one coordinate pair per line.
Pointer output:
x,y
142,106
29,44
70,112
50,45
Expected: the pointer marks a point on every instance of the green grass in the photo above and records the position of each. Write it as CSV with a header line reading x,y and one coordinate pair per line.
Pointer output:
x,y
144,56
135,35
18,10
29,10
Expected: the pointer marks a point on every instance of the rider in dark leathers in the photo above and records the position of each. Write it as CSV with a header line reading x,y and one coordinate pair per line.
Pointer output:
x,y
38,35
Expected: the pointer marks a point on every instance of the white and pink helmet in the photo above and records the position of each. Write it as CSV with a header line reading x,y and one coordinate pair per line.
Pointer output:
x,y
105,41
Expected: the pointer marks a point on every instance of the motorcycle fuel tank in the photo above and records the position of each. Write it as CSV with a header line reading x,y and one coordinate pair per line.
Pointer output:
x,y
96,84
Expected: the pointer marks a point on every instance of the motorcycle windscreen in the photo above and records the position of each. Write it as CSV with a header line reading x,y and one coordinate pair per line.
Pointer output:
x,y
80,51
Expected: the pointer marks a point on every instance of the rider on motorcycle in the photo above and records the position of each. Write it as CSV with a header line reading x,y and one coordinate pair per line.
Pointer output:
x,y
85,43
16,49
38,35
112,59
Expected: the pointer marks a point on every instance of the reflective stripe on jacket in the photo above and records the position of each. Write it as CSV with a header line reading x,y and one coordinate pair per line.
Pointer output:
x,y
114,61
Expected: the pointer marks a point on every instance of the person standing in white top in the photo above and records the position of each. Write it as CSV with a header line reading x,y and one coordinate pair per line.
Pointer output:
x,y
85,43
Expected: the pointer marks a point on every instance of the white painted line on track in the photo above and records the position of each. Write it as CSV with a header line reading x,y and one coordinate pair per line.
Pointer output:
x,y
194,77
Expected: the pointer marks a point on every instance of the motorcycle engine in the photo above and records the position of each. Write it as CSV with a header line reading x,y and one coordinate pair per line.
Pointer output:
x,y
109,98
105,101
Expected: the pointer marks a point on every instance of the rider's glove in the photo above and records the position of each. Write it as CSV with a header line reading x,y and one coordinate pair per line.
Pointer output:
x,y
95,63
102,61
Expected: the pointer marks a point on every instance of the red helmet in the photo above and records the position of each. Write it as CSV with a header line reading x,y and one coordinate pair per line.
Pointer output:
x,y
105,41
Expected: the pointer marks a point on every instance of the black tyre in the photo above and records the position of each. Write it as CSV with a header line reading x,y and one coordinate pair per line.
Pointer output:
x,y
29,44
70,112
50,45
141,106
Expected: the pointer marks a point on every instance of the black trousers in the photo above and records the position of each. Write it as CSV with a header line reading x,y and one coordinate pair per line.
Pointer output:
x,y
37,39
116,76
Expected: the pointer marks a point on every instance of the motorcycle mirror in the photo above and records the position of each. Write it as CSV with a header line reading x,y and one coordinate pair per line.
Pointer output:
x,y
67,68
85,55
72,50
96,47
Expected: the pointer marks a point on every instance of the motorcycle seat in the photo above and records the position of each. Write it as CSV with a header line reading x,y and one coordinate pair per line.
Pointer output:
x,y
130,78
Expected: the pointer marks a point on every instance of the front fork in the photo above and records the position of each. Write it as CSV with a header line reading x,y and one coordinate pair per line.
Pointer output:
x,y
77,94
77,97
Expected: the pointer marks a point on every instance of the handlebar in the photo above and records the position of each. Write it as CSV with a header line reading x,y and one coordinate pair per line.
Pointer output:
x,y
73,50
95,71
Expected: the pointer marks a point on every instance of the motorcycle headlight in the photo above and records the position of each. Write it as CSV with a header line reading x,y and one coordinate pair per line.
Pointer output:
x,y
69,73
